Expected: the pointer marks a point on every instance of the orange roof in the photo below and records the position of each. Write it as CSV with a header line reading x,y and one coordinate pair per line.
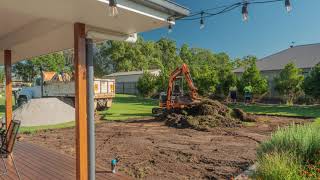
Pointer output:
x,y
47,76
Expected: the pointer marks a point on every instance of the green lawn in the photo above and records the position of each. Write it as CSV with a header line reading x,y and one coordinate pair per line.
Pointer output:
x,y
283,110
129,107
124,107
34,129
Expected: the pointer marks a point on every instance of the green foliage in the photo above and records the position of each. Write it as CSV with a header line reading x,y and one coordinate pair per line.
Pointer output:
x,y
226,78
278,167
118,56
50,62
289,82
301,141
28,69
291,153
252,77
210,72
205,79
2,76
311,83
162,81
24,70
146,84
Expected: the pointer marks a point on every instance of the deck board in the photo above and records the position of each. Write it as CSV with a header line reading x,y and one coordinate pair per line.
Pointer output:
x,y
37,163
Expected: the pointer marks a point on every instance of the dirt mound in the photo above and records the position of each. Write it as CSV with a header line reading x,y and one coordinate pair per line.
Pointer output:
x,y
243,116
202,116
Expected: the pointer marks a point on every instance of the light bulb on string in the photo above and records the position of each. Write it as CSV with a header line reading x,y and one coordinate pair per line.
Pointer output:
x,y
170,28
170,21
202,25
113,10
288,5
245,14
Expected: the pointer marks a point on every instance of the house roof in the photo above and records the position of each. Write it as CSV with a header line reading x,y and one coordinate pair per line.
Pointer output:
x,y
129,73
37,27
48,75
304,56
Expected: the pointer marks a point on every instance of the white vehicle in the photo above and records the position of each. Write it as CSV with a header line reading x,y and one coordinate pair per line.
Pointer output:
x,y
104,90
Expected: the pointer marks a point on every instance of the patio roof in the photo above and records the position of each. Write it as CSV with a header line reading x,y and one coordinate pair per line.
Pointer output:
x,y
32,28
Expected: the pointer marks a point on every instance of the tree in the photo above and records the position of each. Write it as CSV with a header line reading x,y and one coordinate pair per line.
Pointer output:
x,y
50,62
117,56
252,77
204,70
311,83
289,82
24,70
226,78
146,84
28,69
169,57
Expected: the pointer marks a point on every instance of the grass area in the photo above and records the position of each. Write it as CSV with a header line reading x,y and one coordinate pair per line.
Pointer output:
x,y
34,129
123,107
129,107
283,110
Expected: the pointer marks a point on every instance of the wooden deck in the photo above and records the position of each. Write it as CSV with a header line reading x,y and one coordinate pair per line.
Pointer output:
x,y
39,163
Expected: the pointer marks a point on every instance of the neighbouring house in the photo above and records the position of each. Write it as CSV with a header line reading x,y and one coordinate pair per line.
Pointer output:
x,y
126,82
304,56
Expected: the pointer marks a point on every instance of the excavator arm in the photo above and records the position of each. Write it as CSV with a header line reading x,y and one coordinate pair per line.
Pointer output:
x,y
183,70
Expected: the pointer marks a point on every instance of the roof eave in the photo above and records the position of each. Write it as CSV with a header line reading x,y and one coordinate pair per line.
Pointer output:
x,y
166,6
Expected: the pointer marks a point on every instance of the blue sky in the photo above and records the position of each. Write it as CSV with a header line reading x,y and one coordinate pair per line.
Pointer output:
x,y
269,29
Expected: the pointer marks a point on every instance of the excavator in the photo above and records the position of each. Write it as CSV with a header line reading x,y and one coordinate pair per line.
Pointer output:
x,y
175,98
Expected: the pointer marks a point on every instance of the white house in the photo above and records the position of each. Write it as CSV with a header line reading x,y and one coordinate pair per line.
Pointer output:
x,y
126,82
304,57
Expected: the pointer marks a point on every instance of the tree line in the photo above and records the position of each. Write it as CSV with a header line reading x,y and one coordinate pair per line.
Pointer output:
x,y
212,73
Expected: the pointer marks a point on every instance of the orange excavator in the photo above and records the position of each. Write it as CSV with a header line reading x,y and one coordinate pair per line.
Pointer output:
x,y
175,98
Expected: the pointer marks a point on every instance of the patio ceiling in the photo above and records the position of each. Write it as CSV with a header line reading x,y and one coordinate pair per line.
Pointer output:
x,y
37,27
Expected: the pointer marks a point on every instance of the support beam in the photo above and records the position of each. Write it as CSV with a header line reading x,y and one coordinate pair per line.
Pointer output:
x,y
81,102
90,110
7,65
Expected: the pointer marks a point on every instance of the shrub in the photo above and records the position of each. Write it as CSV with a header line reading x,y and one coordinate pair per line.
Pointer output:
x,y
311,84
278,167
289,82
291,153
146,84
252,77
301,141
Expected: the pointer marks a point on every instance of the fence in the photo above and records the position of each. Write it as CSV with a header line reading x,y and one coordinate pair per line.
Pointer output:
x,y
126,88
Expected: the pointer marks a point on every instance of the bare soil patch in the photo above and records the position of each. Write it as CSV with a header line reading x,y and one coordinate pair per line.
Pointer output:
x,y
151,150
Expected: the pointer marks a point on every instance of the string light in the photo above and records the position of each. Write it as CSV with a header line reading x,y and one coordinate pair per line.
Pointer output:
x,y
113,10
288,5
170,21
211,12
202,21
170,28
245,14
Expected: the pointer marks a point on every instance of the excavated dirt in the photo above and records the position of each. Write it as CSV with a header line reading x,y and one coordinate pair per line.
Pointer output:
x,y
205,115
149,149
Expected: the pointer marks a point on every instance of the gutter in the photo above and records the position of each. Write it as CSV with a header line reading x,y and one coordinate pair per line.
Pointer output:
x,y
175,10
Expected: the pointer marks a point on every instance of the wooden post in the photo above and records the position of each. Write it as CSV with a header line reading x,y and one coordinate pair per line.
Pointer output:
x,y
8,108
81,102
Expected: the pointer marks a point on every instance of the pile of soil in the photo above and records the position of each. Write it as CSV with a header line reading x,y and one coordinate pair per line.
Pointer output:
x,y
203,116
